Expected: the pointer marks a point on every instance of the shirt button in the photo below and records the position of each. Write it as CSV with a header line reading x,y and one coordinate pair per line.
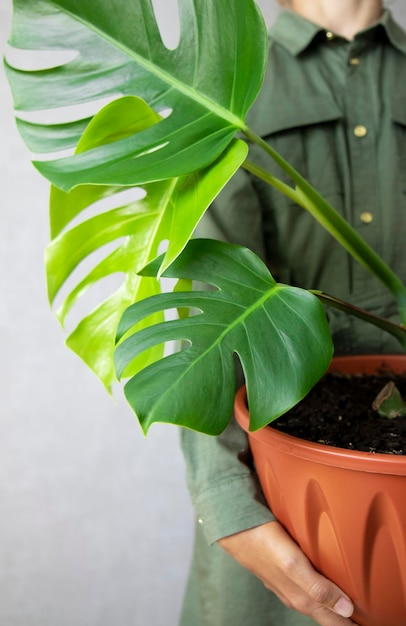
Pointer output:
x,y
329,35
360,131
366,217
354,61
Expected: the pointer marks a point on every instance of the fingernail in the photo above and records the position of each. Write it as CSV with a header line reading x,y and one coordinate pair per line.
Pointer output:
x,y
343,607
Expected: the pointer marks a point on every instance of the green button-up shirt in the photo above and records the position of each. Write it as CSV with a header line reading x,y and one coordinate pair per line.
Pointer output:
x,y
336,110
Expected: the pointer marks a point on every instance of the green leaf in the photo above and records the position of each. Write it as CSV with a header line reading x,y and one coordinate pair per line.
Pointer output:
x,y
93,339
169,211
208,83
279,333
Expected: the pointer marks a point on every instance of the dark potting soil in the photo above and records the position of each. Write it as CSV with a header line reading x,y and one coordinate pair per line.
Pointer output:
x,y
338,412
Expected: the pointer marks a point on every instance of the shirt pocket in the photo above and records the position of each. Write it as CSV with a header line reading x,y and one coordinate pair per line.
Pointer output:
x,y
398,115
306,132
310,136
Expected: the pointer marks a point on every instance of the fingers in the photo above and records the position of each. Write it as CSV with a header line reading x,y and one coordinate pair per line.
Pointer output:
x,y
320,590
318,596
326,601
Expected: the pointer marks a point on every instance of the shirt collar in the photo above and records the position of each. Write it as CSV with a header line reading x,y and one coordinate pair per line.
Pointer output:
x,y
295,33
394,32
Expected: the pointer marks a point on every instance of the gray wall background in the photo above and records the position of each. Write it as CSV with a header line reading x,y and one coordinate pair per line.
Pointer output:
x,y
95,521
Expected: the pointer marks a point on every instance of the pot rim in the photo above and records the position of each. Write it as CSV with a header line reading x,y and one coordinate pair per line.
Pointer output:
x,y
321,453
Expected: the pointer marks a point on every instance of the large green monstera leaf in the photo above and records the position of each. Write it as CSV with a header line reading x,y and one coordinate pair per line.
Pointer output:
x,y
165,211
133,226
204,87
279,333
128,145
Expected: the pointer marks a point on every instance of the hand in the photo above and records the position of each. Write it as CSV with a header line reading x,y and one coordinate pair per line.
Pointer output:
x,y
271,554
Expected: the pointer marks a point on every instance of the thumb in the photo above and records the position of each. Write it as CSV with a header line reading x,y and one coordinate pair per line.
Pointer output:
x,y
324,592
343,607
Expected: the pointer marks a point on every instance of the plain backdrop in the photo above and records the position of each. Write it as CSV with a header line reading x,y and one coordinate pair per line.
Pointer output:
x,y
95,521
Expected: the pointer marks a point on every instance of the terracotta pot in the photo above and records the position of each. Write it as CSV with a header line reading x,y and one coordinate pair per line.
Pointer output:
x,y
346,509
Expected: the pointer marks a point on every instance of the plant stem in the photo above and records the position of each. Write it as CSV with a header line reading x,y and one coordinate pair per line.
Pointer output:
x,y
259,172
308,198
397,330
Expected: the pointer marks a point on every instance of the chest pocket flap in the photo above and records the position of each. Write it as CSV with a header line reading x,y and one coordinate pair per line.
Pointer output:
x,y
273,115
398,110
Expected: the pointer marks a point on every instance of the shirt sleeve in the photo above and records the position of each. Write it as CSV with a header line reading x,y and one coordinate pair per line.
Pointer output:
x,y
223,485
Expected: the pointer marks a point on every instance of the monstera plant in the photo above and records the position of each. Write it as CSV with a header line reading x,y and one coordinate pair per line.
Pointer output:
x,y
137,140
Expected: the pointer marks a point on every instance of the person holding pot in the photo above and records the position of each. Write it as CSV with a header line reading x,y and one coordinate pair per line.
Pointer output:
x,y
333,104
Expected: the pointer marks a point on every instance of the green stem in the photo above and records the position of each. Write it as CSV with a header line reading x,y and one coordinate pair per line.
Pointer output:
x,y
398,331
259,172
307,197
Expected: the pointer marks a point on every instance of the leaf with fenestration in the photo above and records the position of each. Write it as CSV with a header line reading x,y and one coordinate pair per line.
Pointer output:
x,y
133,229
205,86
279,333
